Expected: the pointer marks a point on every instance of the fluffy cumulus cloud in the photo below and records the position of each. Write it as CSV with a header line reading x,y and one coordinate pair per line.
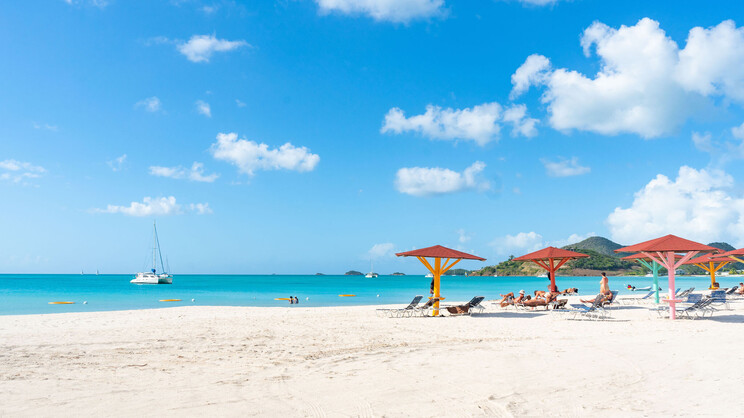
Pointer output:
x,y
19,172
697,205
564,168
425,181
162,206
199,48
481,123
250,156
646,84
527,242
400,11
203,108
150,104
195,173
386,249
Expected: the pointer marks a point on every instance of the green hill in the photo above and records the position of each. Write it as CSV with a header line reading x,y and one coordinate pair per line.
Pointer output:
x,y
599,245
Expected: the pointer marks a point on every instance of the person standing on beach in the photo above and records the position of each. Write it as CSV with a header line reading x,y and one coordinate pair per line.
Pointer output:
x,y
296,301
604,284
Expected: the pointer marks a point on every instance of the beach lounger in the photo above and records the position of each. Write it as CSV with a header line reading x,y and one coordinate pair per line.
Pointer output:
x,y
595,311
696,310
684,294
693,298
397,313
631,301
425,309
718,297
607,302
730,291
467,308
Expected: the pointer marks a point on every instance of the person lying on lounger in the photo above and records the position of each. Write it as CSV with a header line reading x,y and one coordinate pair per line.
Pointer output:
x,y
740,290
549,297
509,299
604,298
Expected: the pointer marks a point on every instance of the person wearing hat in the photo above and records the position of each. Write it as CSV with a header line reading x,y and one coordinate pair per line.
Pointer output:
x,y
508,299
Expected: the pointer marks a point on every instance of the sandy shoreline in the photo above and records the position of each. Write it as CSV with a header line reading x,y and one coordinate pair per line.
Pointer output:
x,y
345,361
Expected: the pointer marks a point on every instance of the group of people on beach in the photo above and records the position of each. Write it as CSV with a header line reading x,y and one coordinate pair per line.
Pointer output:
x,y
543,298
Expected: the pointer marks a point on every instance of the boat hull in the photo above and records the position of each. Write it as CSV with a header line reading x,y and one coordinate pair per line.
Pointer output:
x,y
149,278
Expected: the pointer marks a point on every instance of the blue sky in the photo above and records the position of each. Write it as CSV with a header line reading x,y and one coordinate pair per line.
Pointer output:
x,y
303,136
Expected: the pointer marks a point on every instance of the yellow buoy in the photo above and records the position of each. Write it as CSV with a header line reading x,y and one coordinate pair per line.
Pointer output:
x,y
61,303
346,296
170,300
281,298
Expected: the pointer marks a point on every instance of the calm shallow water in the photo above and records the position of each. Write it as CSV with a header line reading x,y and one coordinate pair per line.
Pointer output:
x,y
30,294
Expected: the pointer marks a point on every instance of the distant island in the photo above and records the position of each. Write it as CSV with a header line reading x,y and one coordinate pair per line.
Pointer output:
x,y
602,257
397,273
319,274
353,273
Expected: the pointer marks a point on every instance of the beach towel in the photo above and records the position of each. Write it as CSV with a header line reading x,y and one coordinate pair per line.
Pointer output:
x,y
456,310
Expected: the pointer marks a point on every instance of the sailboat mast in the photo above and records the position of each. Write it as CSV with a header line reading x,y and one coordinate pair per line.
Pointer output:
x,y
157,242
154,241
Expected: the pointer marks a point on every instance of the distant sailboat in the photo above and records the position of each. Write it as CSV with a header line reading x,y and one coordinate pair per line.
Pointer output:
x,y
429,275
152,276
81,272
97,272
371,274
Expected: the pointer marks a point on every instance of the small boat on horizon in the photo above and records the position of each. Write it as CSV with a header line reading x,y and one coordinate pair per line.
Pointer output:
x,y
429,275
152,276
371,274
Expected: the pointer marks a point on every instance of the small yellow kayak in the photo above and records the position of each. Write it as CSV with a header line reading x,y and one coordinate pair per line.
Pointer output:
x,y
346,296
281,299
170,300
61,303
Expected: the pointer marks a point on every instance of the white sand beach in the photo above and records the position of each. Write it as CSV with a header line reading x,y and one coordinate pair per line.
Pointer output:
x,y
346,361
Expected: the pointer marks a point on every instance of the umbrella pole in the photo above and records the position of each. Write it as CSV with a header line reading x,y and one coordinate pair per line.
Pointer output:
x,y
670,269
655,270
437,276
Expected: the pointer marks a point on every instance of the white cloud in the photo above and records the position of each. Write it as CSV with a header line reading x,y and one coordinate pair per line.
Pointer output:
x,y
646,85
462,236
479,123
539,2
16,171
738,132
527,242
150,104
703,142
534,71
196,173
696,205
201,208
399,11
250,156
239,103
97,3
149,206
117,163
564,167
381,250
200,48
46,126
203,108
425,181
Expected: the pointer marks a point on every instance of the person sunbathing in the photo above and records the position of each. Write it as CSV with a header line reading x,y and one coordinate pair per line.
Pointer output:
x,y
509,299
570,291
548,297
604,298
740,290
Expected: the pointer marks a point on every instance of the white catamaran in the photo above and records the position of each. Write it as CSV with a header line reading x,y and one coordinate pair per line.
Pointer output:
x,y
371,274
152,276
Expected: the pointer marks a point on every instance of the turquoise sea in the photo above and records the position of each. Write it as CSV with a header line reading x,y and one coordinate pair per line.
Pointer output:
x,y
31,293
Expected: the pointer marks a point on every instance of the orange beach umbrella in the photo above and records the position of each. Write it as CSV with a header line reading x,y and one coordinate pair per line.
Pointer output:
x,y
438,253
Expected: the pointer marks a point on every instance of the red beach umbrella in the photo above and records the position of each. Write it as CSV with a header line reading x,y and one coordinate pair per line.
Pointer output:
x,y
551,259
664,250
439,252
